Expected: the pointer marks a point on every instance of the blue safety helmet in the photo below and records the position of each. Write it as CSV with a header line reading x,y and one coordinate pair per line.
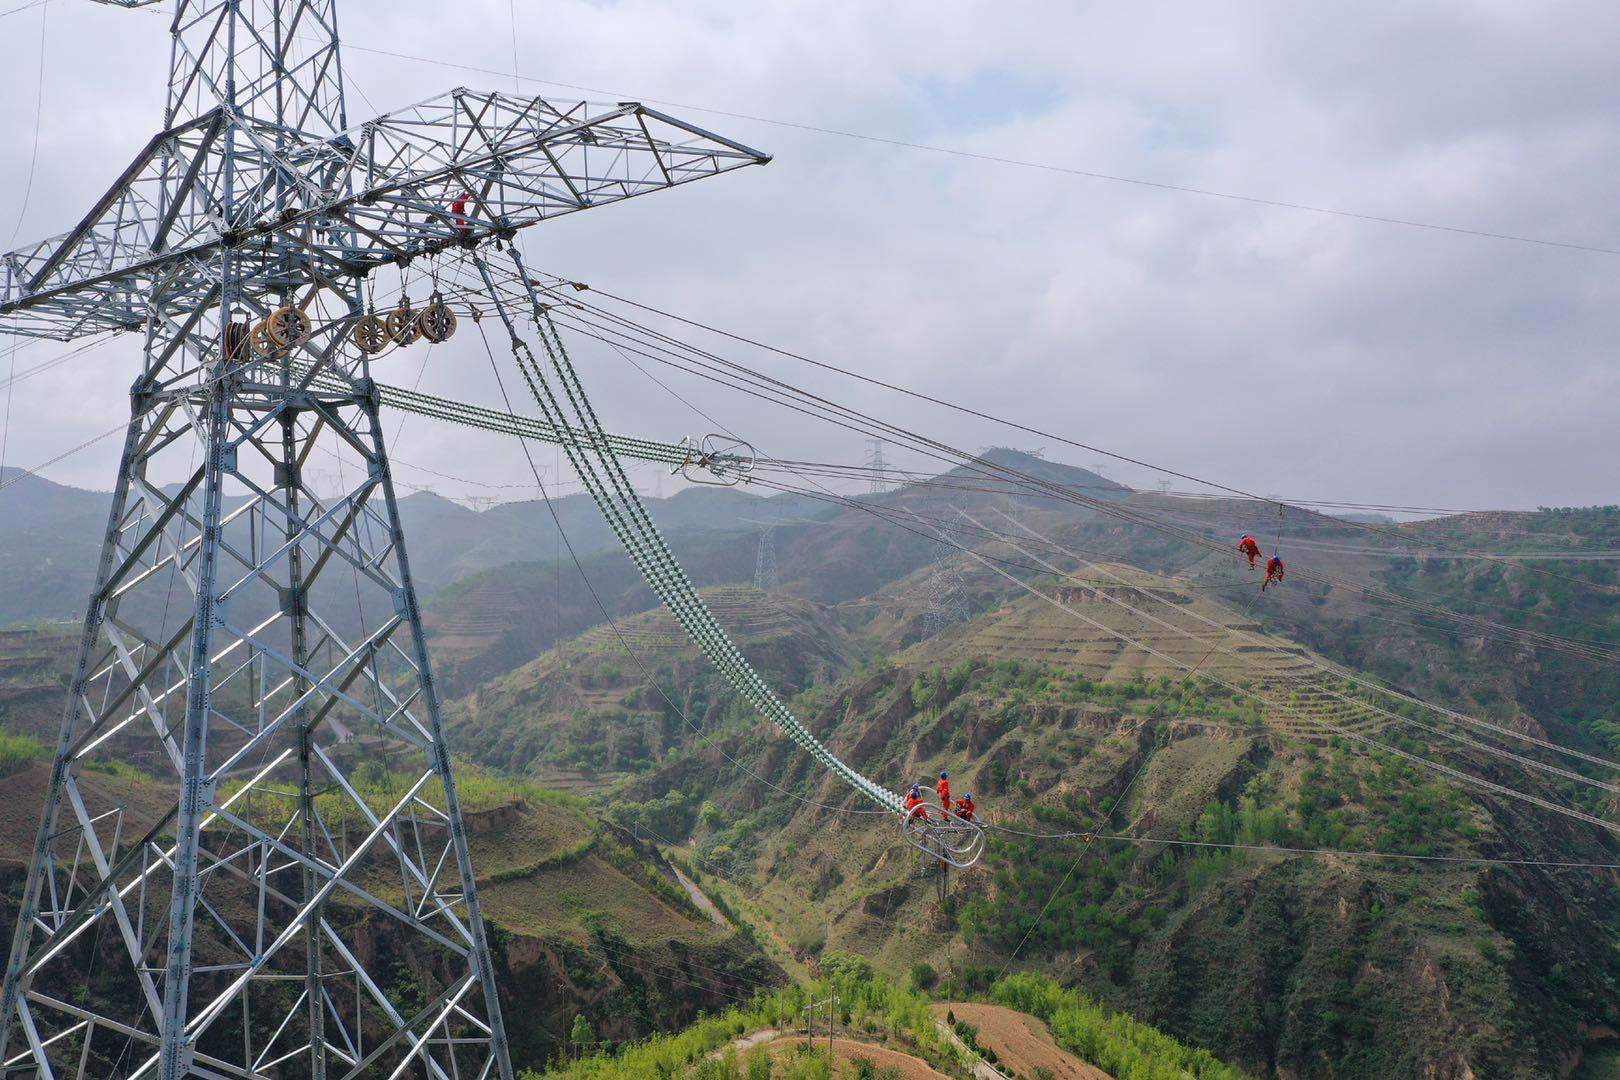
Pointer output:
x,y
967,795
944,776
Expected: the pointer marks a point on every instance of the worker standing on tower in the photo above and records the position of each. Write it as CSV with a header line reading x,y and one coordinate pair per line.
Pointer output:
x,y
943,789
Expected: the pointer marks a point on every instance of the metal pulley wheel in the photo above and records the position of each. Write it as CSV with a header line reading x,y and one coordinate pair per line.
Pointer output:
x,y
401,324
436,322
259,340
287,326
236,338
370,335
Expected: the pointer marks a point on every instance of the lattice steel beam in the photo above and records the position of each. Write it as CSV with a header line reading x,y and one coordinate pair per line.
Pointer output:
x,y
250,643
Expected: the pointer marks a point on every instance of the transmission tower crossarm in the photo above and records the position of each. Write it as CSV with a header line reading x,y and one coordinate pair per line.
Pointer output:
x,y
341,206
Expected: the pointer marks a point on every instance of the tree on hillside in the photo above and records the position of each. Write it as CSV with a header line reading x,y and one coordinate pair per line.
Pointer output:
x,y
581,1037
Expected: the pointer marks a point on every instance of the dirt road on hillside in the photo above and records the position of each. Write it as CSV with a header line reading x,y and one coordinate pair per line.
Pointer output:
x,y
701,899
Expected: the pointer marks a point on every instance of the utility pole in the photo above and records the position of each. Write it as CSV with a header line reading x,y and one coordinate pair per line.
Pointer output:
x,y
832,1018
243,244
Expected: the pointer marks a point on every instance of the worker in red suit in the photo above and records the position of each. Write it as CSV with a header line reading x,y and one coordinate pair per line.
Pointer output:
x,y
943,788
1248,547
1274,571
914,803
964,806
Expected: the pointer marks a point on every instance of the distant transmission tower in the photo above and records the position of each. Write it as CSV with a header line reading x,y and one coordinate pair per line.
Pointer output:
x,y
947,597
765,576
232,930
874,462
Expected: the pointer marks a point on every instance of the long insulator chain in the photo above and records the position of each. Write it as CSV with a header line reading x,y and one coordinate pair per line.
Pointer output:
x,y
604,479
682,592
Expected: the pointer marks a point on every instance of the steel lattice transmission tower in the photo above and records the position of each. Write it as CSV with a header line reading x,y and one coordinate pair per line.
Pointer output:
x,y
254,909
875,463
947,597
766,579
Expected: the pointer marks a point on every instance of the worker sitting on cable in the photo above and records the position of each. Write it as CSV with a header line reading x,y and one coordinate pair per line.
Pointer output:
x,y
943,788
1274,571
914,803
1248,547
964,806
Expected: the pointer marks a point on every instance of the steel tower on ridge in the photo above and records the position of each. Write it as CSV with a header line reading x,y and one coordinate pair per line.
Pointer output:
x,y
254,901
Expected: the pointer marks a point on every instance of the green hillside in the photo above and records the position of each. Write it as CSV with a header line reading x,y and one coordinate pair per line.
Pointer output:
x,y
1067,711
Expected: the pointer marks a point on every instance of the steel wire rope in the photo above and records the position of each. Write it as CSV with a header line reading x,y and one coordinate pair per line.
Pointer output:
x,y
39,112
1289,707
1277,849
1313,687
624,643
1447,770
626,515
969,411
1351,701
955,455
43,366
1593,650
1348,675
1322,689
1361,599
1477,778
993,565
1078,859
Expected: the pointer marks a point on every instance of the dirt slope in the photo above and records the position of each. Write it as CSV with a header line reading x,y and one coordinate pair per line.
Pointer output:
x,y
848,1051
1021,1042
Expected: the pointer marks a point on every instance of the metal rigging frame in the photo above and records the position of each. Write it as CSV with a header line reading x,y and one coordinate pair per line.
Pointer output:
x,y
249,643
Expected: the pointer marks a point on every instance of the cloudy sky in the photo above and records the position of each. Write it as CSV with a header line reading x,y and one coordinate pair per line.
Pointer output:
x,y
1283,351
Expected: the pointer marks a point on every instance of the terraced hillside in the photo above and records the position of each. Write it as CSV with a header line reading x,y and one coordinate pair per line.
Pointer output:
x,y
588,919
1114,623
589,705
1238,951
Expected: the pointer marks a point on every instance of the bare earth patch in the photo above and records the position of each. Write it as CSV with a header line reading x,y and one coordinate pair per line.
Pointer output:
x,y
1021,1042
848,1050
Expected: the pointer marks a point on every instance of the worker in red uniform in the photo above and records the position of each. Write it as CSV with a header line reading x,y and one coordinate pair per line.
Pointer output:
x,y
964,806
914,803
1274,571
1248,547
943,788
458,211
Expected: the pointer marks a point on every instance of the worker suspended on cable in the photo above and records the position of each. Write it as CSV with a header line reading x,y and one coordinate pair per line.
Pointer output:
x,y
964,806
1248,547
1274,571
943,788
914,803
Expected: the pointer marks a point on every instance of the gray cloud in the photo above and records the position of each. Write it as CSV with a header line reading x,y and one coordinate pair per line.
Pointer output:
x,y
1275,349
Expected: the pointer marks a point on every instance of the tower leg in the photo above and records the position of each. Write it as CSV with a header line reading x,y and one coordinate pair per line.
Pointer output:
x,y
253,664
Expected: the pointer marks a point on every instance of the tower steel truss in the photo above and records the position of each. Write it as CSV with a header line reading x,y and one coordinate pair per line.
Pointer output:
x,y
224,884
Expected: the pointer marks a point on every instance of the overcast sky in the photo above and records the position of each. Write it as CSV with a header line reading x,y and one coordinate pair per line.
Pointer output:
x,y
1278,350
